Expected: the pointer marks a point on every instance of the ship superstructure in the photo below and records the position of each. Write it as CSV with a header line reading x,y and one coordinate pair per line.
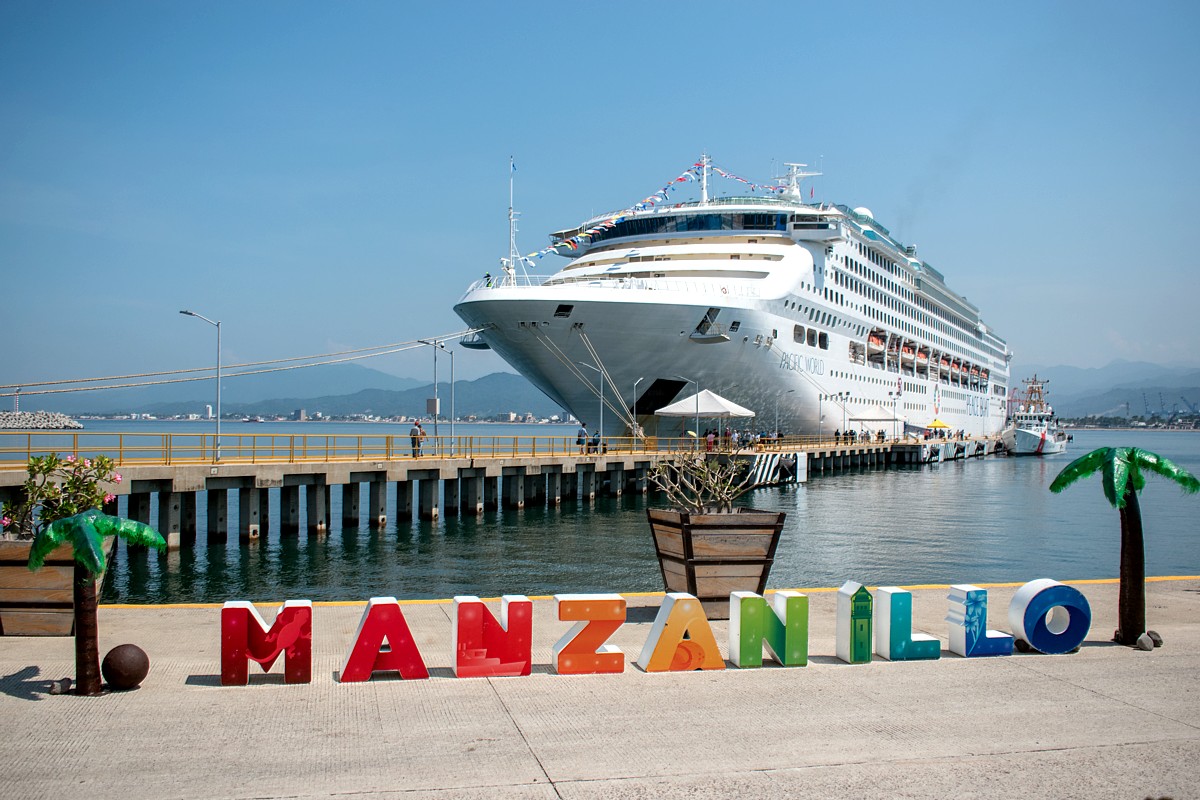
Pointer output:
x,y
810,314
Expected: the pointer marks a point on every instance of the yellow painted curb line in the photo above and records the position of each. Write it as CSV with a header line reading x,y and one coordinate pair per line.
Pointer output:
x,y
922,586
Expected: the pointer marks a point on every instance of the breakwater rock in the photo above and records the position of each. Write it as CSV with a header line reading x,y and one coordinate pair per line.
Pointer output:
x,y
36,421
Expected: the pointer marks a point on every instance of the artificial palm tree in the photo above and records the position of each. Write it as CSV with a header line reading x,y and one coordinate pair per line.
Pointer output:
x,y
1122,478
85,532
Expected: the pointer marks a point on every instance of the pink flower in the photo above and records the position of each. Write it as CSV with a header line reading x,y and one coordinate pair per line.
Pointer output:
x,y
5,522
116,477
87,462
108,498
71,459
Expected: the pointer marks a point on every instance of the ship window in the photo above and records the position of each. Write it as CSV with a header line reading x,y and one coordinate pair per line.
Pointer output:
x,y
798,334
563,311
812,337
733,326
824,341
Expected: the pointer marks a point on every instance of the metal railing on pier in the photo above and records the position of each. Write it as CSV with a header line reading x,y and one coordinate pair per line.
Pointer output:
x,y
16,447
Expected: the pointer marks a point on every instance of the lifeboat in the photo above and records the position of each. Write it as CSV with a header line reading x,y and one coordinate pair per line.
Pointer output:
x,y
907,354
875,343
922,357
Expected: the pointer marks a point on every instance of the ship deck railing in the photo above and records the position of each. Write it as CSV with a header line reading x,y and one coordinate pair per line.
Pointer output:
x,y
613,281
154,449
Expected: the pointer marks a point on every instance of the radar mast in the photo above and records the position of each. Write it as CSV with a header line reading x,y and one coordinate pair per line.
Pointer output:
x,y
794,174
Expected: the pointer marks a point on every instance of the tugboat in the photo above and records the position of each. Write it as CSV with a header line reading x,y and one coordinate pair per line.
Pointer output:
x,y
1032,429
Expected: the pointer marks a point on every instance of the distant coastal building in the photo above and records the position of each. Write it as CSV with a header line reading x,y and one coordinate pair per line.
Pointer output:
x,y
299,415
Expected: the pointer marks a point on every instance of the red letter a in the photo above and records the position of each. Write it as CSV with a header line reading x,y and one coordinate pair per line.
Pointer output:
x,y
382,620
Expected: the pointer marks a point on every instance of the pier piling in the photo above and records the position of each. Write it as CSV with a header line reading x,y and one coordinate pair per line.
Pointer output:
x,y
249,511
377,502
289,508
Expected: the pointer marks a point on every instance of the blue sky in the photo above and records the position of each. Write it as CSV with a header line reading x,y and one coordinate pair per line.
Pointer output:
x,y
325,176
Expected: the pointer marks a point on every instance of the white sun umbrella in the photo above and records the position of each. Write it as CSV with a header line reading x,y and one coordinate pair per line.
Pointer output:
x,y
704,404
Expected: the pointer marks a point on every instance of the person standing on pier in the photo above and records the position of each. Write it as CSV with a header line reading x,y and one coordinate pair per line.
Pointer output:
x,y
416,434
581,437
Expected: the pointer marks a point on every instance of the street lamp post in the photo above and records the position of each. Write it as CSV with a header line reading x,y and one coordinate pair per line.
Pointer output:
x,y
895,396
217,325
593,366
843,397
789,391
437,344
697,397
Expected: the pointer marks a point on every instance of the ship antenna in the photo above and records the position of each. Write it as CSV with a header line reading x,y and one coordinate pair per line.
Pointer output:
x,y
514,255
704,162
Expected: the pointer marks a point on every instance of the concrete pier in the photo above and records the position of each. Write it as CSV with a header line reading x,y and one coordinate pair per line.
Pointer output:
x,y
434,487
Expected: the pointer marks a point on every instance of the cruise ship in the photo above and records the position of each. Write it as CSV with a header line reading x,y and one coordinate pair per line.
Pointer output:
x,y
811,315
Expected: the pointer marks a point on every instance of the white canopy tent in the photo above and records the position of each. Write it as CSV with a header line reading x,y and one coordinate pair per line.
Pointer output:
x,y
877,413
704,404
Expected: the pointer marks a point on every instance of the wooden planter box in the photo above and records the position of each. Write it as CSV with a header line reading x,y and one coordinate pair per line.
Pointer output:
x,y
711,555
38,603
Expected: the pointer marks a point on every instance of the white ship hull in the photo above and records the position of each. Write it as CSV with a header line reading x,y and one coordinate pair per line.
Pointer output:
x,y
643,335
1033,441
776,321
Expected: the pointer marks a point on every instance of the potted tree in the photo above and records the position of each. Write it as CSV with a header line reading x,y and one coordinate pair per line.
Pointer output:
x,y
59,523
1122,477
705,546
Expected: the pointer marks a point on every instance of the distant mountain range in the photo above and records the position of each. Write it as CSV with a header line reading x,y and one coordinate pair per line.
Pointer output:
x,y
1122,388
1118,389
332,390
192,396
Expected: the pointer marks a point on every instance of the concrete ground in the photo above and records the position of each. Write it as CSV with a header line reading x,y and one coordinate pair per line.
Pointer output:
x,y
1107,721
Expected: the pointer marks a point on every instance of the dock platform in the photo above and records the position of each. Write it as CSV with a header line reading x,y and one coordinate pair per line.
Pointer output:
x,y
166,476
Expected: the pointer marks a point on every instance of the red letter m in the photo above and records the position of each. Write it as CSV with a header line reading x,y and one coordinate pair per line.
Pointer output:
x,y
245,637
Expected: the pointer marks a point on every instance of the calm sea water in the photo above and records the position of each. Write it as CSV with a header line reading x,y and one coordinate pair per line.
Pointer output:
x,y
986,520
